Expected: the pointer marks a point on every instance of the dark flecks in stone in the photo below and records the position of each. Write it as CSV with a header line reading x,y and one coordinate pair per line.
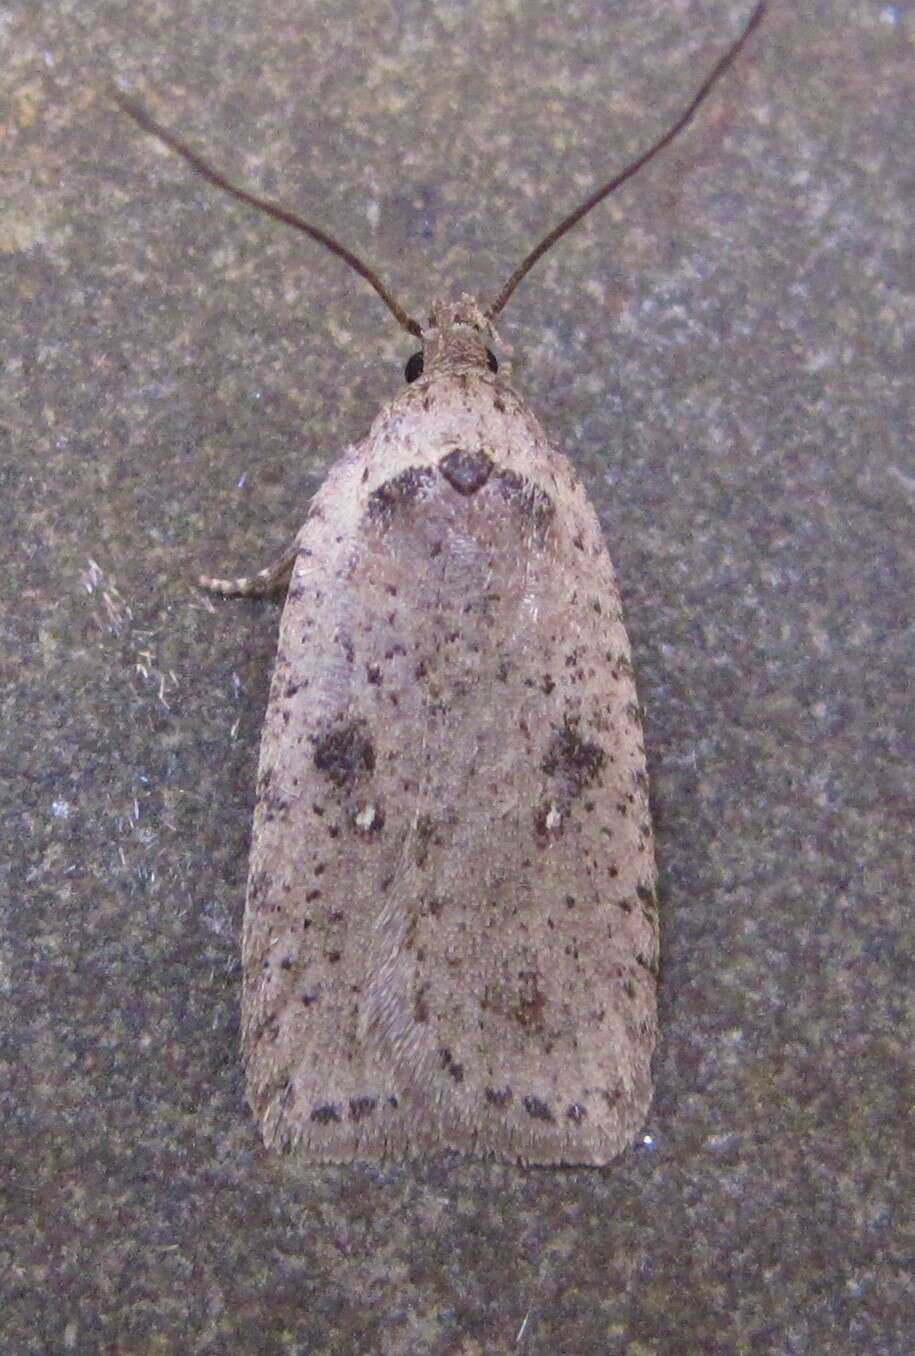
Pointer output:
x,y
576,1112
345,753
308,999
373,674
420,1005
312,895
333,957
537,1109
392,1102
466,471
323,1115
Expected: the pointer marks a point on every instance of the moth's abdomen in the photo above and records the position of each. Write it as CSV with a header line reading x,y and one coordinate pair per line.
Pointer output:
x,y
450,936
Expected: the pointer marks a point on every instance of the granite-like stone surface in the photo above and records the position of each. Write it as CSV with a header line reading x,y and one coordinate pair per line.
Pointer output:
x,y
725,349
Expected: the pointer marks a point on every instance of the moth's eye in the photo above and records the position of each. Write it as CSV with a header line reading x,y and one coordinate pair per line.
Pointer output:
x,y
414,367
492,360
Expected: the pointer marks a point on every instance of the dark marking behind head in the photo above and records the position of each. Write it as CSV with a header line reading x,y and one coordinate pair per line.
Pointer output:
x,y
399,490
466,471
533,503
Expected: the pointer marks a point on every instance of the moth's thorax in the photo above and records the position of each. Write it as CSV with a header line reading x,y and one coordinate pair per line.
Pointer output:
x,y
455,339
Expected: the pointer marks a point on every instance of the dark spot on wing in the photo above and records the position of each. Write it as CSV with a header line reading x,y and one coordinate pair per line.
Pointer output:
x,y
498,1096
323,1115
345,753
528,1011
450,1065
575,761
402,489
360,1107
537,1109
422,837
532,503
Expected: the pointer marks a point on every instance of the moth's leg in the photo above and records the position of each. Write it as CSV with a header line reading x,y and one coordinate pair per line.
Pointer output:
x,y
275,576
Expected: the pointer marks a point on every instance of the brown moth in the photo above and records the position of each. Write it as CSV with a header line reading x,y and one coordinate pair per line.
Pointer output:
x,y
451,934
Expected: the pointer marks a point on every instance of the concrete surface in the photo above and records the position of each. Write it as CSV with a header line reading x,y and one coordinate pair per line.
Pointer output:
x,y
725,350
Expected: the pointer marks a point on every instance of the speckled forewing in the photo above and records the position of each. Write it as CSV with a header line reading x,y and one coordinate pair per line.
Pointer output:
x,y
451,935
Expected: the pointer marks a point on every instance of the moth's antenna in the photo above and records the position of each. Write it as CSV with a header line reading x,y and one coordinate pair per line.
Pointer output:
x,y
605,190
272,209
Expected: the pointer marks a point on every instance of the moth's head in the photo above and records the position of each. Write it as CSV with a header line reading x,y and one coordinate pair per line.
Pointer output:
x,y
457,338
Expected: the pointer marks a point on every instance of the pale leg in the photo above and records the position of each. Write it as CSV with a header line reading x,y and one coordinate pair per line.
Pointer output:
x,y
275,576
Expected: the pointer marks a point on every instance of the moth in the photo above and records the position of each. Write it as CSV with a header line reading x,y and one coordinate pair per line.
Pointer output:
x,y
451,931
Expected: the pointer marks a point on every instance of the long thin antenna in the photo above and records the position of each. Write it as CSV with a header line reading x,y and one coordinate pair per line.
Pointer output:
x,y
272,209
605,190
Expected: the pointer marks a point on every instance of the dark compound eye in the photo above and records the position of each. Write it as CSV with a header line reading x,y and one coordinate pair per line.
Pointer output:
x,y
492,360
414,367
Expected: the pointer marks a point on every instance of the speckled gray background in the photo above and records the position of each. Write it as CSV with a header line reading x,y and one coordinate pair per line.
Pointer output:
x,y
725,350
